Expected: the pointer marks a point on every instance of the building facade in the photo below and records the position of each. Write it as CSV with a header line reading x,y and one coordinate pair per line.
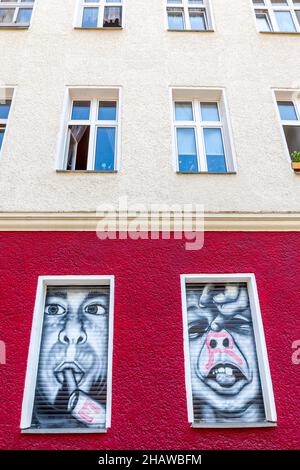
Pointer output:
x,y
138,341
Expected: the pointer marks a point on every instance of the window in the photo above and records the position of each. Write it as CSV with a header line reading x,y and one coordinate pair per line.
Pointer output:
x,y
92,136
5,105
288,104
277,15
16,13
193,15
201,132
68,380
228,380
100,14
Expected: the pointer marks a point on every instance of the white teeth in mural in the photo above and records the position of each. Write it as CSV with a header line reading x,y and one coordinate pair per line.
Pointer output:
x,y
228,371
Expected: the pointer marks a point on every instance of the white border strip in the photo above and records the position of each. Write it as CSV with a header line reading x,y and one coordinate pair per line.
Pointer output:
x,y
35,342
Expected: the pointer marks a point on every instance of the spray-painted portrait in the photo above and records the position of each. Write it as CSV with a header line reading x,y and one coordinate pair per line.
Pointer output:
x,y
71,387
225,378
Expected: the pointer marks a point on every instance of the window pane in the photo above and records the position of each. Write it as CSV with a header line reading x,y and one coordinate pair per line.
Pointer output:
x,y
197,21
187,151
107,111
24,15
6,15
81,110
285,21
298,15
263,23
71,389
2,130
90,18
292,135
287,111
183,111
112,17
223,362
210,112
214,150
105,149
175,20
279,3
4,108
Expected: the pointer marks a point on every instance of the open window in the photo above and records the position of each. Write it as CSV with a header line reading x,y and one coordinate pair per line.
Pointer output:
x,y
16,13
68,380
92,135
100,14
227,373
201,131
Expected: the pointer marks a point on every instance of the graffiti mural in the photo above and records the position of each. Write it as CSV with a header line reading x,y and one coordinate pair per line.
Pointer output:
x,y
72,372
225,378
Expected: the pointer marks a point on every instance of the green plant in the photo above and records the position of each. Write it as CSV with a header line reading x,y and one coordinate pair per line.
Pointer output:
x,y
295,156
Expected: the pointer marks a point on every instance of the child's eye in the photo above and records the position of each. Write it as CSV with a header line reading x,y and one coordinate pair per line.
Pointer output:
x,y
54,309
95,309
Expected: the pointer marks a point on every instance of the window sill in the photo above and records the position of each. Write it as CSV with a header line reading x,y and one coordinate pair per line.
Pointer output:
x,y
14,26
86,171
116,28
191,30
207,173
280,33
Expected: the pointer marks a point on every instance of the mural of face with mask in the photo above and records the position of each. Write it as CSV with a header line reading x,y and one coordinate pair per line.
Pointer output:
x,y
72,372
224,370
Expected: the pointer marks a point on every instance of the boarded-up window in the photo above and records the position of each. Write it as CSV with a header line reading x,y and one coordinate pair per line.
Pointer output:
x,y
71,387
223,376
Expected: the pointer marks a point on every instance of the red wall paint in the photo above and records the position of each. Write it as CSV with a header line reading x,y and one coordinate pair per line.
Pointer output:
x,y
149,402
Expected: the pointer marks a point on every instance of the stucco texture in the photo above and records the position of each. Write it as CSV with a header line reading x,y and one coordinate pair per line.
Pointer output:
x,y
149,401
145,60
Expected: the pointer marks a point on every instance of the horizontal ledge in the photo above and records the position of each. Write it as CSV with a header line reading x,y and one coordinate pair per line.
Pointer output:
x,y
14,26
63,431
91,221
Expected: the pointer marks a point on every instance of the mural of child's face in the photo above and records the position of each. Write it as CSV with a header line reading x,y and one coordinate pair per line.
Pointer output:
x,y
75,336
224,365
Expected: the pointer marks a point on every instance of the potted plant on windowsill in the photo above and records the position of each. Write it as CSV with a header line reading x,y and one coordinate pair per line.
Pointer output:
x,y
295,156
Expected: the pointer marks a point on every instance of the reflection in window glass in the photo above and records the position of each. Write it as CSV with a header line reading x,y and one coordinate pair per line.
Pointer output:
x,y
285,21
80,110
175,20
90,18
209,112
107,111
287,110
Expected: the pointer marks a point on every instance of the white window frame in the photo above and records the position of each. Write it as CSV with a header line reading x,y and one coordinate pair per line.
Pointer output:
x,y
94,95
17,5
185,6
199,125
101,4
7,93
294,97
35,343
260,344
269,9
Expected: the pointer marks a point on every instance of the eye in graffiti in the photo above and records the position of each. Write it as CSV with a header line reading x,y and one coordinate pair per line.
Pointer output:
x,y
54,309
95,309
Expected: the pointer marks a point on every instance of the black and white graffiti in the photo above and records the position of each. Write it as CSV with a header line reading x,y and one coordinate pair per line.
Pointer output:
x,y
224,370
72,373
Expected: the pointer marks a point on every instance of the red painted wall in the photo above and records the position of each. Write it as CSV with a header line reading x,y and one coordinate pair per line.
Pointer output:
x,y
149,402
